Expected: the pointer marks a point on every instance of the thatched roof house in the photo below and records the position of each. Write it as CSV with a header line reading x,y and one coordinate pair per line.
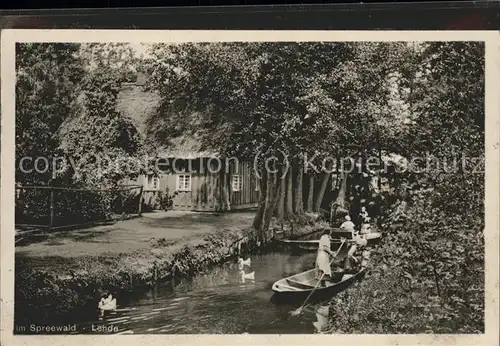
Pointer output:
x,y
139,105
200,189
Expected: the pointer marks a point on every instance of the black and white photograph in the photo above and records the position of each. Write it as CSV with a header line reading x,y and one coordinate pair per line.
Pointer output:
x,y
249,184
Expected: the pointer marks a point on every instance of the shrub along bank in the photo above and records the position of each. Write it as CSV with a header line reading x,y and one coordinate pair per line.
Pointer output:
x,y
391,300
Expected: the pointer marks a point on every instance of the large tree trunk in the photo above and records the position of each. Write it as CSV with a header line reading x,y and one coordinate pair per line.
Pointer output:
x,y
289,193
268,205
339,207
341,196
225,200
310,196
274,188
299,202
257,221
319,197
280,207
268,210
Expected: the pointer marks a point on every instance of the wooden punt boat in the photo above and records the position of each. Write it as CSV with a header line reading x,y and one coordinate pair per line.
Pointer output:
x,y
302,284
311,245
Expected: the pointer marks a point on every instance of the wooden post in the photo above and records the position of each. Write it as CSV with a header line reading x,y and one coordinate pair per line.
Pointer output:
x,y
379,176
380,161
52,201
52,210
140,201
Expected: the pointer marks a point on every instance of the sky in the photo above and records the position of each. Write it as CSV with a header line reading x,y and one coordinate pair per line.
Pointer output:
x,y
140,48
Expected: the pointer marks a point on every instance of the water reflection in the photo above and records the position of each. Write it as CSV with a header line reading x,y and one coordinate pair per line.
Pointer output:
x,y
321,323
219,301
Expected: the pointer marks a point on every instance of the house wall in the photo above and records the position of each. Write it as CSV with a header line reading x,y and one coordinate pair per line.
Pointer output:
x,y
206,189
204,193
248,195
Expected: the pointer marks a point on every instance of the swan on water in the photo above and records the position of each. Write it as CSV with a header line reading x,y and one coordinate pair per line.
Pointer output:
x,y
247,276
242,262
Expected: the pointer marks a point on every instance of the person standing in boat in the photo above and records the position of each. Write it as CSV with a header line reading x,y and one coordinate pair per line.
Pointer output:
x,y
323,257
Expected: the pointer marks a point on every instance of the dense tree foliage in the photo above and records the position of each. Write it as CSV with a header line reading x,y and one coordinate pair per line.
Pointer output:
x,y
293,100
48,77
66,118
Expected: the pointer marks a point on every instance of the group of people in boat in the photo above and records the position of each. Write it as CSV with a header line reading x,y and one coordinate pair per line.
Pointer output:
x,y
357,256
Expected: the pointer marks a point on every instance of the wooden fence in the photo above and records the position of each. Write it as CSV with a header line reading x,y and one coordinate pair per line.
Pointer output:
x,y
50,200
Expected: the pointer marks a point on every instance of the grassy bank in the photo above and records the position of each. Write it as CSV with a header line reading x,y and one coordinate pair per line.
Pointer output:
x,y
49,287
52,288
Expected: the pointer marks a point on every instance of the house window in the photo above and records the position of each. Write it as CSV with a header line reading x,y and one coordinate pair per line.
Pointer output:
x,y
236,182
152,182
183,182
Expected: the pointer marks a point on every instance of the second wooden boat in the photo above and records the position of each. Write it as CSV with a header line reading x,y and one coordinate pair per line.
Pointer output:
x,y
313,244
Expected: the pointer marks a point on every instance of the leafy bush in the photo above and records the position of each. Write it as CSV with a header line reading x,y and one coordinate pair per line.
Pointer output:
x,y
33,207
410,291
74,207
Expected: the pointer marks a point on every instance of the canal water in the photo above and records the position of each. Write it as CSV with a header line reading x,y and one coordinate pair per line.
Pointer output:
x,y
219,301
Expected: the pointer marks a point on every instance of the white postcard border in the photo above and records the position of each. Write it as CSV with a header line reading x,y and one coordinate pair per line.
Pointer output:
x,y
11,36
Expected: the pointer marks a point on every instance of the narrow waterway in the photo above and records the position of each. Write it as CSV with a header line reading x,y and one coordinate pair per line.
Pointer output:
x,y
217,302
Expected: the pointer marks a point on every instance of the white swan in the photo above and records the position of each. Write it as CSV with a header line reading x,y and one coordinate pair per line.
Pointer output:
x,y
108,303
242,262
247,276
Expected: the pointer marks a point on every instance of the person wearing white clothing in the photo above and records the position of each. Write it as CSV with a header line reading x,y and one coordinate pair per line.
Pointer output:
x,y
359,242
348,225
323,256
